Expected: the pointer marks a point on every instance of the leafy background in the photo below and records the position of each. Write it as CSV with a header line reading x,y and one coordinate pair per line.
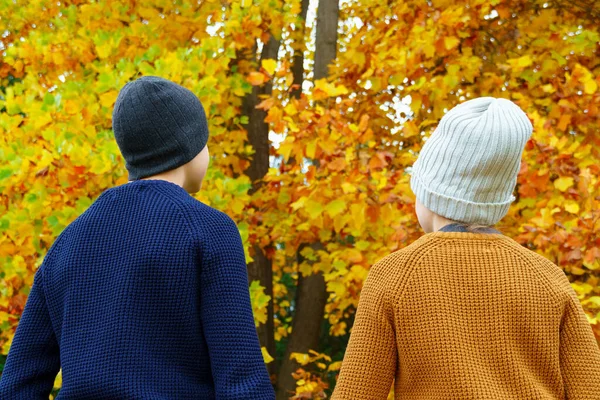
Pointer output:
x,y
316,112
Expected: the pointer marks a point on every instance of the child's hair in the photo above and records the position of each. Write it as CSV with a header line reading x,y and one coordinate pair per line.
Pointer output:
x,y
477,228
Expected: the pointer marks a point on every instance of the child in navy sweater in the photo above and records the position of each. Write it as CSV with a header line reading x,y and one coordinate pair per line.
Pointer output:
x,y
145,295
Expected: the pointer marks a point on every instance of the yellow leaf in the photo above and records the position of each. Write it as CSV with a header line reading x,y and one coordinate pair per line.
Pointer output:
x,y
58,58
103,50
58,380
269,65
335,366
335,207
290,109
338,329
549,88
299,203
313,208
260,302
45,160
108,99
285,149
590,86
329,88
582,288
358,214
451,42
524,61
521,62
429,50
300,358
353,256
338,288
572,207
311,148
563,183
362,245
348,187
41,120
237,205
595,265
410,129
266,356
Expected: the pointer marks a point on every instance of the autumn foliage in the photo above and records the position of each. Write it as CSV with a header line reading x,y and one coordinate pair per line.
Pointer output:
x,y
335,197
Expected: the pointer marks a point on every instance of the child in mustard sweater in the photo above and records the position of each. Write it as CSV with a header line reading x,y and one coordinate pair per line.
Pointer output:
x,y
465,312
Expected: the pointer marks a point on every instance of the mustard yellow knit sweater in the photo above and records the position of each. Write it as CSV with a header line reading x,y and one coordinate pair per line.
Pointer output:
x,y
458,315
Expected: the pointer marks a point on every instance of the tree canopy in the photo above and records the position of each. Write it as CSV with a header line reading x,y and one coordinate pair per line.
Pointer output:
x,y
352,105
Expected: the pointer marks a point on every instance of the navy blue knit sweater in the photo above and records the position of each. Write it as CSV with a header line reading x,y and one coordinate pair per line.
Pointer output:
x,y
144,296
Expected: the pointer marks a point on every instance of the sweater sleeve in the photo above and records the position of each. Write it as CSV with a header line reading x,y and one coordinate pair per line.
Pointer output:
x,y
369,364
237,364
33,360
579,353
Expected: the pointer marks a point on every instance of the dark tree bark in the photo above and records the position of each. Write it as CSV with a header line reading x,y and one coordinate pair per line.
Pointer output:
x,y
326,40
311,297
261,268
298,66
311,294
258,129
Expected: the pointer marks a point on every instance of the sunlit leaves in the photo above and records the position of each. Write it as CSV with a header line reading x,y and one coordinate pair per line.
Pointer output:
x,y
340,174
563,184
259,302
59,78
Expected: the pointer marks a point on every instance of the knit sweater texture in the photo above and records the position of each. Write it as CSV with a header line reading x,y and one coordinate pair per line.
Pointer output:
x,y
459,315
144,296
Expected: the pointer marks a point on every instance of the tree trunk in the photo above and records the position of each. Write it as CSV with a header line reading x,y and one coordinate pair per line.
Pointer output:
x,y
311,294
261,268
258,129
311,297
298,66
326,40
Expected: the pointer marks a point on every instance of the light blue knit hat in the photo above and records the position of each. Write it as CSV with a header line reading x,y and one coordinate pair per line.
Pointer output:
x,y
467,170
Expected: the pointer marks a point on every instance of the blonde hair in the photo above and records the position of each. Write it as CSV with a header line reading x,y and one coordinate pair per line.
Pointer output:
x,y
477,227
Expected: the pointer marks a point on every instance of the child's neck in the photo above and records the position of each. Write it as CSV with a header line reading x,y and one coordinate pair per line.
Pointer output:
x,y
439,222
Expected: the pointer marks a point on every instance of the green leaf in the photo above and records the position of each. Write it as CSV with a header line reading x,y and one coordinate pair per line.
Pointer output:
x,y
5,173
48,99
52,220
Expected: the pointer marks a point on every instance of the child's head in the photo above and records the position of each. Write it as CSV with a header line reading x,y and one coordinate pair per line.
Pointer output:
x,y
161,129
467,170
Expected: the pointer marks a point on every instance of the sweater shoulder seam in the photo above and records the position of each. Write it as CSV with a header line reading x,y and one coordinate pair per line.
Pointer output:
x,y
180,209
50,254
413,257
548,284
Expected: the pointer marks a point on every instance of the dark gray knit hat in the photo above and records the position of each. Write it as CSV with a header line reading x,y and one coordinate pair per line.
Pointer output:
x,y
158,125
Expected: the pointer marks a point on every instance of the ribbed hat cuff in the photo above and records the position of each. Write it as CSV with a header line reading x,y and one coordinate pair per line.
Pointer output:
x,y
143,169
456,209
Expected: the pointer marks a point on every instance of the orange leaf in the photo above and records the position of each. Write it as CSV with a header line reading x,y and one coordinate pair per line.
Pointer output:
x,y
592,255
338,164
257,78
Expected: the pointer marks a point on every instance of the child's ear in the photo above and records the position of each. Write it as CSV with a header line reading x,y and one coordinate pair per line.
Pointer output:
x,y
424,216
